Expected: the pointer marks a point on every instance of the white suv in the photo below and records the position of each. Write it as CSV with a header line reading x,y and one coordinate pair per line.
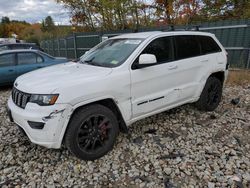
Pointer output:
x,y
124,79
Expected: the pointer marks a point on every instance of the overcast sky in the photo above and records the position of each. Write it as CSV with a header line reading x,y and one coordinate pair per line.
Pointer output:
x,y
33,10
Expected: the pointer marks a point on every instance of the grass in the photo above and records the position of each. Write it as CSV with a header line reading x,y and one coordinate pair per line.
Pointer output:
x,y
238,77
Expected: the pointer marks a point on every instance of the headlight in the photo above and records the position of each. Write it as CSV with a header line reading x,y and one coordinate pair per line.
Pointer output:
x,y
44,100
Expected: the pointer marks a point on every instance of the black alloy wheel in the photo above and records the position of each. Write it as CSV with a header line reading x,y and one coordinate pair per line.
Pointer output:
x,y
92,132
211,95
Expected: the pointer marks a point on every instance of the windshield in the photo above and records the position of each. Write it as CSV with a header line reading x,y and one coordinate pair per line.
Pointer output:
x,y
111,53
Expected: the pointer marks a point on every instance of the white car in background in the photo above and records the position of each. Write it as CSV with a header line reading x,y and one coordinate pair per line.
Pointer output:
x,y
122,80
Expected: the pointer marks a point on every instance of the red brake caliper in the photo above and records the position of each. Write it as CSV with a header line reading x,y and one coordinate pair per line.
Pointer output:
x,y
103,127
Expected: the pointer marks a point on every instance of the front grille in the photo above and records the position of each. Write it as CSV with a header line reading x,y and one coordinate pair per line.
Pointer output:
x,y
20,98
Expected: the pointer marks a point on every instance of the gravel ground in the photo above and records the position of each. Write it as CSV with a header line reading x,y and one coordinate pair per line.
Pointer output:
x,y
182,147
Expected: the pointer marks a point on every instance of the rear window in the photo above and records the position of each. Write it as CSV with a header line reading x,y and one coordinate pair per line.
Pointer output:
x,y
16,47
187,46
208,45
23,46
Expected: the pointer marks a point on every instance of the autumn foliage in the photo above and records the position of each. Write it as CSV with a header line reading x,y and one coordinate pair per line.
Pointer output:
x,y
103,15
123,14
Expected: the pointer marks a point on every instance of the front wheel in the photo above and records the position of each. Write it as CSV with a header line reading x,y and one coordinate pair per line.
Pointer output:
x,y
91,132
211,95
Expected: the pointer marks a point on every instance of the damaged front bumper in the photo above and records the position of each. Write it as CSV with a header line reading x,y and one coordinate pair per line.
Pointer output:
x,y
44,125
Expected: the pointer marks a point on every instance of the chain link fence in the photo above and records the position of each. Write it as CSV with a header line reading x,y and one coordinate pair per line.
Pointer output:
x,y
233,34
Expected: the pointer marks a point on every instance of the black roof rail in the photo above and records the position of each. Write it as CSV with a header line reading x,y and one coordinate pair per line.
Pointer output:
x,y
193,28
197,27
172,28
169,29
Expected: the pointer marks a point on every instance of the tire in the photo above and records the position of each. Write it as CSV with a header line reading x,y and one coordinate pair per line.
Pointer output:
x,y
211,95
92,132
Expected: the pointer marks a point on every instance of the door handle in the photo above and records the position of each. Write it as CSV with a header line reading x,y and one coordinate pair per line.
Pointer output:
x,y
172,67
204,61
39,67
11,70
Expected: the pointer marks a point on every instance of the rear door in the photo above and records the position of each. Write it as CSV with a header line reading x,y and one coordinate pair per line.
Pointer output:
x,y
28,61
191,65
212,51
7,68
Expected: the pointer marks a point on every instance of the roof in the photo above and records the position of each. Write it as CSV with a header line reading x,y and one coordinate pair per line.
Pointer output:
x,y
144,35
6,44
19,50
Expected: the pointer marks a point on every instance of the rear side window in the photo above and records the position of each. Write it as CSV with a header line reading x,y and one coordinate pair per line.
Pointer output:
x,y
162,48
7,60
26,58
208,45
39,59
187,46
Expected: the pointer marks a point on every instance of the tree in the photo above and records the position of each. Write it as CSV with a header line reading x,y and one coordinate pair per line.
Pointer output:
x,y
5,20
122,14
164,10
107,14
4,27
222,9
48,24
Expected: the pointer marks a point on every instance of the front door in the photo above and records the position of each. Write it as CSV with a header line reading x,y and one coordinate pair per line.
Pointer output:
x,y
7,68
155,87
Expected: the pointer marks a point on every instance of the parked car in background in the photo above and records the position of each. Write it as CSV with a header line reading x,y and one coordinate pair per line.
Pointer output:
x,y
15,46
14,63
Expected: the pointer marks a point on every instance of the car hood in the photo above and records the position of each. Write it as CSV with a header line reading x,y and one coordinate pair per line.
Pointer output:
x,y
47,80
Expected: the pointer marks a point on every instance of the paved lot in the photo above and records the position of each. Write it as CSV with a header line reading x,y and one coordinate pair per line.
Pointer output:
x,y
179,148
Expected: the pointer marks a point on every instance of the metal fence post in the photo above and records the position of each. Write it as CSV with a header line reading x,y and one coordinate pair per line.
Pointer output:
x,y
66,47
248,59
58,46
75,46
53,47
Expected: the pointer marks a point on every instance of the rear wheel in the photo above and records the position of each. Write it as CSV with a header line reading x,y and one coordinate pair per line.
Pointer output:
x,y
92,132
211,95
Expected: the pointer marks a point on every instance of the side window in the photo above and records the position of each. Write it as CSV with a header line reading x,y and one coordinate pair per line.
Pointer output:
x,y
7,60
187,46
208,45
25,58
162,48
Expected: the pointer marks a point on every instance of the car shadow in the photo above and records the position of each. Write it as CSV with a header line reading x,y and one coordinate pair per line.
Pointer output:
x,y
7,87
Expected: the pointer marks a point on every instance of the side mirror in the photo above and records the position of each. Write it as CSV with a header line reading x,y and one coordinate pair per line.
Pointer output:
x,y
147,60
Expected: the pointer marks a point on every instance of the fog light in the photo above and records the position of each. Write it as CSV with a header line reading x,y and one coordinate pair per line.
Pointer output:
x,y
36,125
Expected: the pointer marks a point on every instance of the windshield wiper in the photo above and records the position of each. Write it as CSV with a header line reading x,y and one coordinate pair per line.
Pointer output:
x,y
90,62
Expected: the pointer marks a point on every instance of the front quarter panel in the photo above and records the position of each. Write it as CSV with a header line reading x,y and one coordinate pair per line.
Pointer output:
x,y
115,86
